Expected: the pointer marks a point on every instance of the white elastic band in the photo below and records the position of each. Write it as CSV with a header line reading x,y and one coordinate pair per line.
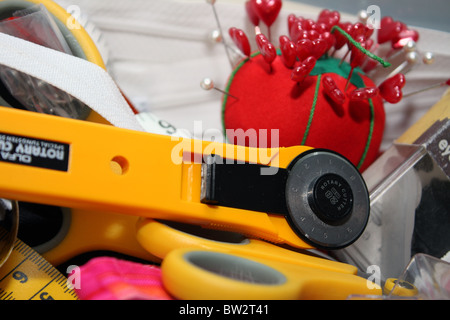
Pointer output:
x,y
82,79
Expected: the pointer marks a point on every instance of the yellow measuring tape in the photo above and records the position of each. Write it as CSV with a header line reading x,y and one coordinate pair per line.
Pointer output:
x,y
26,275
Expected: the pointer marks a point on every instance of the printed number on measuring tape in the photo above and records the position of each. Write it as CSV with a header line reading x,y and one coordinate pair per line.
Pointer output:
x,y
28,276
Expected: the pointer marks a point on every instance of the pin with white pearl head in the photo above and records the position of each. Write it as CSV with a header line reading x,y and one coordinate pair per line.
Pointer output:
x,y
216,37
410,60
208,84
212,3
410,46
427,59
363,16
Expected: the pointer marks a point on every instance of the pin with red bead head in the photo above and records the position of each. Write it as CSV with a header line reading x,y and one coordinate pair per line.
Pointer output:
x,y
241,41
326,20
361,94
389,29
341,40
360,44
304,49
301,71
391,88
398,34
403,37
403,44
292,22
358,57
267,11
302,28
267,49
317,32
358,32
288,51
319,47
329,38
332,91
329,18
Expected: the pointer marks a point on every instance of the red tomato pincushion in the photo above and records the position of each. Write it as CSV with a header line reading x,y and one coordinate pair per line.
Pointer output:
x,y
299,94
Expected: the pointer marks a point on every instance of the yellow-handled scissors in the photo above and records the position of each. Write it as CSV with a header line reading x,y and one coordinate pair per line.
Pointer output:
x,y
203,274
224,265
161,237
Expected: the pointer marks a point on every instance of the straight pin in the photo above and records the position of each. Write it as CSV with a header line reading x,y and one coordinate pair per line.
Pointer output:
x,y
348,79
344,57
438,85
216,37
208,84
411,59
212,2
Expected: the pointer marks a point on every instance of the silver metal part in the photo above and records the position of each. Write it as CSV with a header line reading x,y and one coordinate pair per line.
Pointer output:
x,y
309,223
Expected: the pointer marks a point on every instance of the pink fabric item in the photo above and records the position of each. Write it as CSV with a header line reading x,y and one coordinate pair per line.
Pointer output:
x,y
106,278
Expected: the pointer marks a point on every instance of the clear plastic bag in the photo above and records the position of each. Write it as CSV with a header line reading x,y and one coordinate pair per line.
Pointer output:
x,y
424,278
35,24
428,275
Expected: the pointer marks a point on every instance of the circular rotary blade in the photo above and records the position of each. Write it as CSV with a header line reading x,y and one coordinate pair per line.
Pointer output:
x,y
327,199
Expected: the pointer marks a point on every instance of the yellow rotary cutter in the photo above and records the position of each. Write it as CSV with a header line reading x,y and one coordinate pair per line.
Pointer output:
x,y
117,181
305,198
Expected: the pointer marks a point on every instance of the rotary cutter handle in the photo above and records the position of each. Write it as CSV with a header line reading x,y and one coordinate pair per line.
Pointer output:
x,y
320,193
298,196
